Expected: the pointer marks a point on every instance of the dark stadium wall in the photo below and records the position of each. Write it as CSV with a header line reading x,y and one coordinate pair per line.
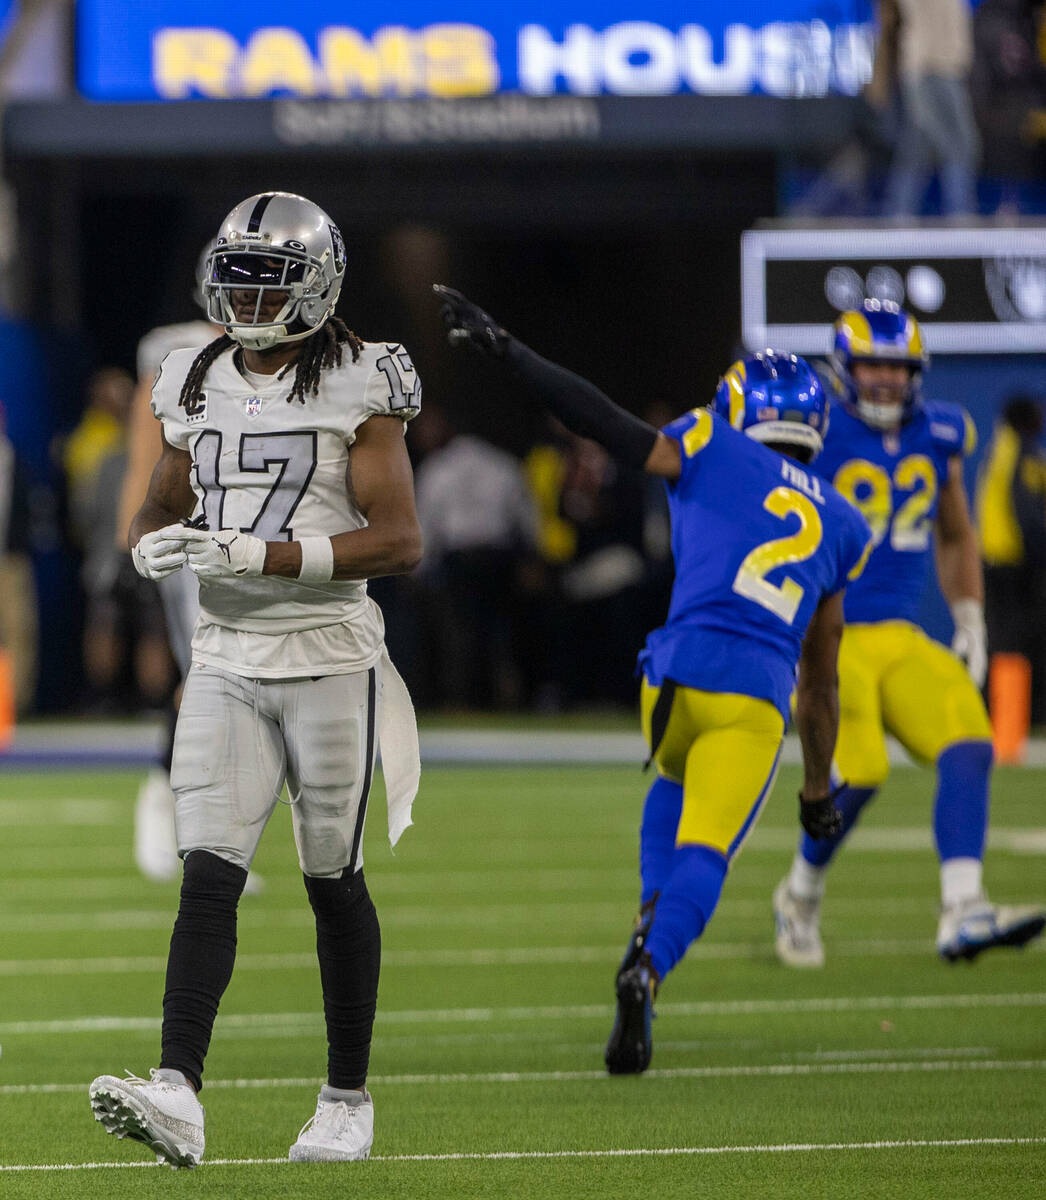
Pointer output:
x,y
625,266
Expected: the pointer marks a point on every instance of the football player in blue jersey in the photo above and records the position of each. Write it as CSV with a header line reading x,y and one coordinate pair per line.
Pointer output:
x,y
763,550
899,458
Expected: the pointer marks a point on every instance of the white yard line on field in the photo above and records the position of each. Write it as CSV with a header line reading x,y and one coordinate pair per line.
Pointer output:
x,y
630,1152
488,914
296,1022
899,839
63,811
746,1071
463,957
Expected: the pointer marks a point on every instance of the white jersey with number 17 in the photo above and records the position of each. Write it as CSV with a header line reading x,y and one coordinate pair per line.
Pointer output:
x,y
277,468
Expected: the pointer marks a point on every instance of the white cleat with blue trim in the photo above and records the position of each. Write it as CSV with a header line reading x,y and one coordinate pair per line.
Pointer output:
x,y
797,939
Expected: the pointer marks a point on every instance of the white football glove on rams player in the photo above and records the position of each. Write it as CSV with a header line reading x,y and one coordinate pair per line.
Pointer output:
x,y
160,552
223,553
970,642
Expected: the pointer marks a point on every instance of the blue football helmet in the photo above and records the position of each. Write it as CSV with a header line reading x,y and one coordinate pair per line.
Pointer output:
x,y
776,398
879,331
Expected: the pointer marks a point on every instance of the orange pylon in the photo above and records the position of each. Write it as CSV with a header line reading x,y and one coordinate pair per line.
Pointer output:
x,y
1009,702
7,699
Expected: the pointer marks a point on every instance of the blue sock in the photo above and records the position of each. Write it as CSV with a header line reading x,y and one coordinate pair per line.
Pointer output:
x,y
960,811
688,899
819,852
657,835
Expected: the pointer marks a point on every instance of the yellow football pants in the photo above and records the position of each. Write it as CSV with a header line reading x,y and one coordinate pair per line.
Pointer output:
x,y
723,748
894,678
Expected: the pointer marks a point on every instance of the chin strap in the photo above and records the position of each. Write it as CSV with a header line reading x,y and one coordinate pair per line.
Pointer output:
x,y
269,335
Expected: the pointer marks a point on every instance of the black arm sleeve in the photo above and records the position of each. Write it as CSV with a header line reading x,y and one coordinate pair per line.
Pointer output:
x,y
582,407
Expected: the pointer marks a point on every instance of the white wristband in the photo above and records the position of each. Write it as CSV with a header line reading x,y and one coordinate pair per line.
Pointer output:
x,y
968,611
317,560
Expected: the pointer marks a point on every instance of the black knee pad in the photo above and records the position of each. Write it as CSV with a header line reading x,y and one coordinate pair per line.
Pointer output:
x,y
333,897
207,876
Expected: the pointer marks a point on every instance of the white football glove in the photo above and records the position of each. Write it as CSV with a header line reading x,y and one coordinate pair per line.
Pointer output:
x,y
224,553
160,552
970,642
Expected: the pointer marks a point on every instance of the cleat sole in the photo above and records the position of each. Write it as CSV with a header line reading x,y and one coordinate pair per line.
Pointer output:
x,y
630,1046
121,1115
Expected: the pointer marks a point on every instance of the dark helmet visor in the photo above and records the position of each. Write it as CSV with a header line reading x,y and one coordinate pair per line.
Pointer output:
x,y
256,270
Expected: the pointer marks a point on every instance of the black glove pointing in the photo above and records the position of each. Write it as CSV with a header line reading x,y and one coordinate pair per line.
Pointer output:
x,y
468,324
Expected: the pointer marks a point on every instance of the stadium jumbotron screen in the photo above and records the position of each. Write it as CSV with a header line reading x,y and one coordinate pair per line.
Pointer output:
x,y
197,49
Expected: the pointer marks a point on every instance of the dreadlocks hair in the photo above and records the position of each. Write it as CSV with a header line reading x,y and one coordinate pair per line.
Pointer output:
x,y
190,395
320,351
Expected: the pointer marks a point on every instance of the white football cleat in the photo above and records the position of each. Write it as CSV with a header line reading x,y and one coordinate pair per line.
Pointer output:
x,y
798,938
964,930
336,1132
166,1116
155,843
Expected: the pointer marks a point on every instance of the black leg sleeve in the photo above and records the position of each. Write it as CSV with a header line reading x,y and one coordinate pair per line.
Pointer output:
x,y
348,945
199,965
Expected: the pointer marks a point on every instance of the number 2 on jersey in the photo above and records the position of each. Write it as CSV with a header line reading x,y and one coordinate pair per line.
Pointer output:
x,y
751,582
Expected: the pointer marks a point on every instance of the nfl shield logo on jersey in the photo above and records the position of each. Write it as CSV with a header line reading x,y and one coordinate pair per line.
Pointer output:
x,y
252,406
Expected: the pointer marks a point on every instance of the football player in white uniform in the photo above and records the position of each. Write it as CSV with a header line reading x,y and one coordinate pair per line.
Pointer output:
x,y
284,444
155,842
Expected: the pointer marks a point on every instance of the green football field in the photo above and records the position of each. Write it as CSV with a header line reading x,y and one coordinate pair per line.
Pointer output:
x,y
504,911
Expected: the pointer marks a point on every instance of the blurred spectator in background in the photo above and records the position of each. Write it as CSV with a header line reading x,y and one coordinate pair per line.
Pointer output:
x,y
479,524
1011,519
18,626
1008,85
927,47
125,654
592,513
100,433
844,187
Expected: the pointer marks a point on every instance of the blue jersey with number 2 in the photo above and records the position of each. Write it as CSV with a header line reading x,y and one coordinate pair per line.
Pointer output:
x,y
758,540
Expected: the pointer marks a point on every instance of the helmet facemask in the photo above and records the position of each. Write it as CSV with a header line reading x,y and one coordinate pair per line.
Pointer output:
x,y
879,332
883,415
788,437
255,265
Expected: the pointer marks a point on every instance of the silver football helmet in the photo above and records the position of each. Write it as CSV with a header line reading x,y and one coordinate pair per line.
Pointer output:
x,y
275,242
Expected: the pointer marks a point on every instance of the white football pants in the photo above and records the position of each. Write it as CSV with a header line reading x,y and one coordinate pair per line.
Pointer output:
x,y
238,739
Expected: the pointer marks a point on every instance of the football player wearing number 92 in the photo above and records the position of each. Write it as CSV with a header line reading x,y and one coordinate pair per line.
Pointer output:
x,y
763,550
898,458
283,483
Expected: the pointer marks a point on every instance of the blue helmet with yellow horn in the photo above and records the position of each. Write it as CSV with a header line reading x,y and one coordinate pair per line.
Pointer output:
x,y
777,399
879,331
